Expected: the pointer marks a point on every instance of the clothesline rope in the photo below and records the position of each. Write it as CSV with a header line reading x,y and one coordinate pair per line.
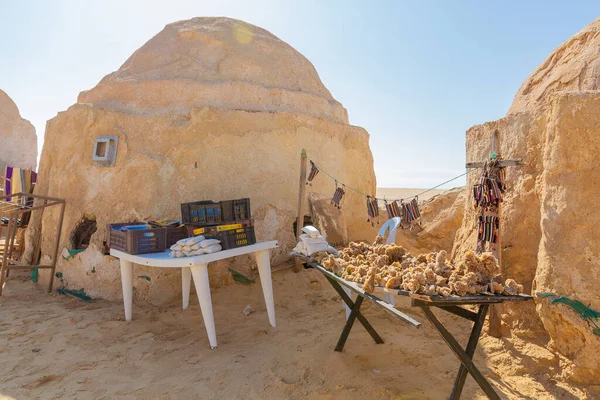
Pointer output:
x,y
383,199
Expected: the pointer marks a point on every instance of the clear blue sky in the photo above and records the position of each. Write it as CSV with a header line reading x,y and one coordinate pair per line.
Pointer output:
x,y
415,74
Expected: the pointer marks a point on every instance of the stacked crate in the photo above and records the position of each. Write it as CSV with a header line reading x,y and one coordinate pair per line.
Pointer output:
x,y
228,221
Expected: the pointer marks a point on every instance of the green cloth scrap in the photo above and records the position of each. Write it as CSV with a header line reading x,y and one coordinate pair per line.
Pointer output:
x,y
239,278
73,253
580,308
584,312
145,277
35,275
77,293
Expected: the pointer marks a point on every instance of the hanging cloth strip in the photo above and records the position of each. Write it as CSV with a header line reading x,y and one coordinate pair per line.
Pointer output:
x,y
372,210
8,184
488,191
392,209
410,211
18,180
487,231
338,196
414,204
314,171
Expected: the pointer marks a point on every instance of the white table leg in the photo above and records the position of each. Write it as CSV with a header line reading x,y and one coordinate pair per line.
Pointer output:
x,y
127,284
264,270
186,283
200,274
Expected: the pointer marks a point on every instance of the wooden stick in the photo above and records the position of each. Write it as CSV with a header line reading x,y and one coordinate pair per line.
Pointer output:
x,y
56,246
301,203
501,163
495,322
7,250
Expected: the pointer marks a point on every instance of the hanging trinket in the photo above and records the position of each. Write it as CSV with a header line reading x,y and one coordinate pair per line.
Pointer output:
x,y
314,171
487,232
410,212
338,196
488,191
372,210
393,209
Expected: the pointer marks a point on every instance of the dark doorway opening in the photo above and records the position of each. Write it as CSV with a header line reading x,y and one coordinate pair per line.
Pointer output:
x,y
307,221
82,234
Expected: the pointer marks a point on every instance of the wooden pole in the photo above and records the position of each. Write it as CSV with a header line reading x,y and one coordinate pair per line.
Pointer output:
x,y
7,251
56,246
495,322
301,203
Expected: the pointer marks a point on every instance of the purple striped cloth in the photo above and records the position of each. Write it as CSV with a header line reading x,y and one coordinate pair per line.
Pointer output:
x,y
7,184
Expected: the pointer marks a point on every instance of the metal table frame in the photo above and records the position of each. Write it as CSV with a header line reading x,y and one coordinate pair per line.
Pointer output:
x,y
451,304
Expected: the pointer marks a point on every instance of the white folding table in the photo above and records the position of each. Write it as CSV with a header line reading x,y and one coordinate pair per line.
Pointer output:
x,y
197,267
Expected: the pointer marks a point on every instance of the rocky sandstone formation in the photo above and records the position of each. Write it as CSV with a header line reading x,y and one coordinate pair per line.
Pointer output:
x,y
18,141
550,218
574,65
441,217
210,108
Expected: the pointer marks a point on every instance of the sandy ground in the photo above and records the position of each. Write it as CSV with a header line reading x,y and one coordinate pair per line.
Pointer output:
x,y
55,347
402,193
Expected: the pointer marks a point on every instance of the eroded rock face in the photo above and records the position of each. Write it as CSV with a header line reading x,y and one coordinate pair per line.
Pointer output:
x,y
18,141
201,113
569,254
575,65
441,217
549,214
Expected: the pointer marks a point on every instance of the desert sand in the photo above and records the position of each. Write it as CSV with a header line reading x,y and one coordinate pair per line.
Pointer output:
x,y
55,347
403,193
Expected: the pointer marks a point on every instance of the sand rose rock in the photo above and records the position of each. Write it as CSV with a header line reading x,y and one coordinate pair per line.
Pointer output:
x,y
209,108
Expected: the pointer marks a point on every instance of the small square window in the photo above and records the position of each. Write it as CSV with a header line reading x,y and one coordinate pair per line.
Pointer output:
x,y
105,151
101,149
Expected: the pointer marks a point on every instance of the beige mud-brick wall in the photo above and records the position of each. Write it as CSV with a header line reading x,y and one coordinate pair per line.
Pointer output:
x,y
18,141
569,253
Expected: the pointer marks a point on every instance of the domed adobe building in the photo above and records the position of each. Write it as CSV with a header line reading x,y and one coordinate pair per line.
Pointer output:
x,y
209,108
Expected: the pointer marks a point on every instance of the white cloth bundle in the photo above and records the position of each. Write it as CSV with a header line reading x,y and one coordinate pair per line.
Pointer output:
x,y
309,239
311,231
312,248
195,246
209,242
311,242
191,241
213,248
299,248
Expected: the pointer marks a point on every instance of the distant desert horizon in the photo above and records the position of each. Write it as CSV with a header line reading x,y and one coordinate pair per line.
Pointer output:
x,y
402,193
